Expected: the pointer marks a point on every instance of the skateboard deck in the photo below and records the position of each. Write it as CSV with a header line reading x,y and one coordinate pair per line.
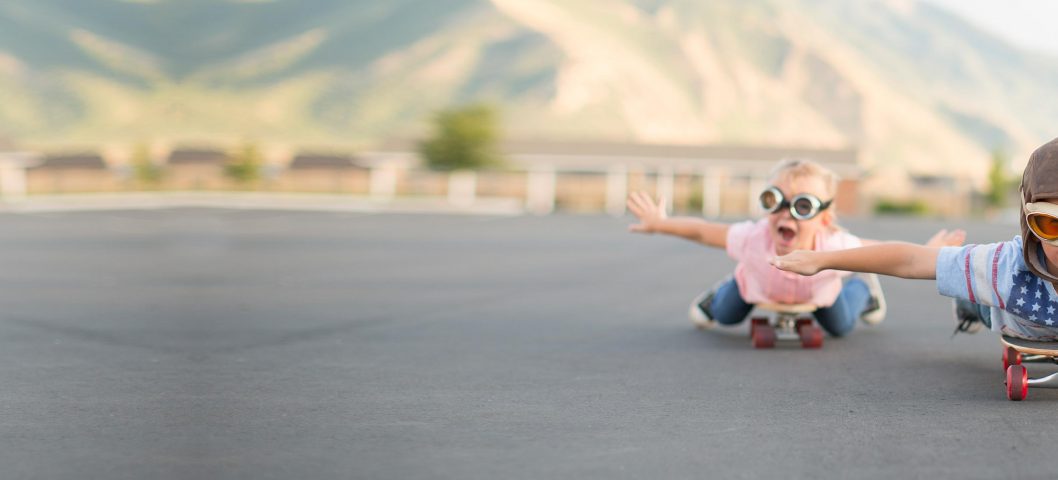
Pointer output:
x,y
1031,347
794,308
1017,351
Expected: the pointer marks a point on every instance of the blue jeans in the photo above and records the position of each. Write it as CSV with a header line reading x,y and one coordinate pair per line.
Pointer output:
x,y
728,307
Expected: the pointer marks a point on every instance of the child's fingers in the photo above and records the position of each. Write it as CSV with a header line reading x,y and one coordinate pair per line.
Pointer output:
x,y
787,263
635,200
956,237
632,206
641,204
645,201
636,208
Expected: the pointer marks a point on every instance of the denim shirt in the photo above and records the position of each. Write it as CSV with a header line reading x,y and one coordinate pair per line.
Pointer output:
x,y
995,275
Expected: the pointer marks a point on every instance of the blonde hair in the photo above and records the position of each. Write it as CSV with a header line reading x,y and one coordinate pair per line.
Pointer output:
x,y
797,168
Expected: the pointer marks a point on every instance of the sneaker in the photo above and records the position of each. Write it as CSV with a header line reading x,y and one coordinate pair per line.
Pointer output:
x,y
699,311
967,316
875,311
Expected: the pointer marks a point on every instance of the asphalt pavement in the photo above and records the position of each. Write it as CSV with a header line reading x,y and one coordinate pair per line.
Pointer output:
x,y
211,343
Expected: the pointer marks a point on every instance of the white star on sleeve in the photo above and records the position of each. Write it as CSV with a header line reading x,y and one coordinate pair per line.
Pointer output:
x,y
1035,307
1021,302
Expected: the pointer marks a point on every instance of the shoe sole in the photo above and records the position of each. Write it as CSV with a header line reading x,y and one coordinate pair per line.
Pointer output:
x,y
875,288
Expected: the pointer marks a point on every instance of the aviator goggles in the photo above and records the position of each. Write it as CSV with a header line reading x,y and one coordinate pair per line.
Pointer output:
x,y
802,207
1042,218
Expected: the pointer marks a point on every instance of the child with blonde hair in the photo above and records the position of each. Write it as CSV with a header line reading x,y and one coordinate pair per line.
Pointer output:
x,y
1006,286
800,216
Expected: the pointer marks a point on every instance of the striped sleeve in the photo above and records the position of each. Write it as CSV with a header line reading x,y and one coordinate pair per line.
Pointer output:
x,y
978,273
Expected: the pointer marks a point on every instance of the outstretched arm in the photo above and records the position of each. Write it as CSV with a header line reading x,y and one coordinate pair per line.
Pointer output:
x,y
898,259
653,219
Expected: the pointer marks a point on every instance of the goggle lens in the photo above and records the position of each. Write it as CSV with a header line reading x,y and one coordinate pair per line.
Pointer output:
x,y
1044,225
804,207
769,200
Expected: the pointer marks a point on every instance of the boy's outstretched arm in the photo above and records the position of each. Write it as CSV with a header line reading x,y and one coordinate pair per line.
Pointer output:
x,y
898,259
653,219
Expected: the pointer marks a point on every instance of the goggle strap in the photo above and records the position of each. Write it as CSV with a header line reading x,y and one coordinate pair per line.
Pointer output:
x,y
1041,270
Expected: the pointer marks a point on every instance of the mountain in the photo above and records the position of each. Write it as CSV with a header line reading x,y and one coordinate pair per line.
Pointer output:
x,y
909,84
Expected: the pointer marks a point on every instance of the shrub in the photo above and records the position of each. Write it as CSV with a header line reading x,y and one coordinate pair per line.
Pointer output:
x,y
463,138
244,165
144,169
896,207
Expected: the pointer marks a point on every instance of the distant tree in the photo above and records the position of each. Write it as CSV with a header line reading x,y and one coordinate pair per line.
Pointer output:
x,y
244,164
144,169
999,181
464,137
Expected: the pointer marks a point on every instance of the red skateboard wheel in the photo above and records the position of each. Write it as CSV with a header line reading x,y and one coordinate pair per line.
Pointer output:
x,y
811,337
1017,382
763,336
1011,357
756,322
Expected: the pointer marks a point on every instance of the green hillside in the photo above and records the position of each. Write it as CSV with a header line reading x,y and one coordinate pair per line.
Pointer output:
x,y
909,84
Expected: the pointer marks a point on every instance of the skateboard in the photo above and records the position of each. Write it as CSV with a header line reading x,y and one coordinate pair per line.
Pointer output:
x,y
1017,351
786,322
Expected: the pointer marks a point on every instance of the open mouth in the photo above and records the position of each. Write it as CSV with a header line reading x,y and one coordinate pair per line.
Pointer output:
x,y
787,234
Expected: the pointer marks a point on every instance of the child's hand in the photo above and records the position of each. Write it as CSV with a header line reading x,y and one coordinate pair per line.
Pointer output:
x,y
944,238
804,262
648,213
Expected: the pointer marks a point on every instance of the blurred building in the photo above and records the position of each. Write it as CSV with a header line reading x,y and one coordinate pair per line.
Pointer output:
x,y
316,172
196,169
71,173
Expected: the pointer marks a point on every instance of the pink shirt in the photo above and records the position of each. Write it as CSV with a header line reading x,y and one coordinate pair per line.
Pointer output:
x,y
750,243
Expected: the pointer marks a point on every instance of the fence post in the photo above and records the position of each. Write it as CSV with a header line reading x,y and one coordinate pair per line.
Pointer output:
x,y
462,187
541,190
616,189
712,183
383,182
756,185
13,174
666,181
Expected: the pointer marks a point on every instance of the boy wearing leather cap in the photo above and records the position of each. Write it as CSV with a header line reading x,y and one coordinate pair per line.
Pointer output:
x,y
1007,286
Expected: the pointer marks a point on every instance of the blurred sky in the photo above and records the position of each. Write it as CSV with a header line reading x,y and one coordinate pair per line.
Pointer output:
x,y
1028,23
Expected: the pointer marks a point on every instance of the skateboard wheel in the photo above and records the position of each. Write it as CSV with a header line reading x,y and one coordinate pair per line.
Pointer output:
x,y
802,322
763,336
756,322
1017,382
811,337
1011,357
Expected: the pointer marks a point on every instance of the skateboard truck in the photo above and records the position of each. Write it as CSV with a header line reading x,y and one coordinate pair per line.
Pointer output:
x,y
787,322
